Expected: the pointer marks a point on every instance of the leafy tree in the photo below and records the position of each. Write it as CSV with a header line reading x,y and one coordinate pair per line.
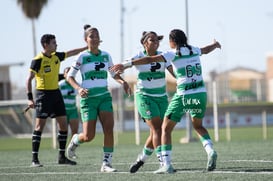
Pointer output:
x,y
32,10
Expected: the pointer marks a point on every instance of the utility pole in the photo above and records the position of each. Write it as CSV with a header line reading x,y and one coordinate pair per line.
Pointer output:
x,y
120,104
188,137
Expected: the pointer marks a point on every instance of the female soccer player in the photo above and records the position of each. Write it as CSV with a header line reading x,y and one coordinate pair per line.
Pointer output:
x,y
151,96
69,95
190,95
96,100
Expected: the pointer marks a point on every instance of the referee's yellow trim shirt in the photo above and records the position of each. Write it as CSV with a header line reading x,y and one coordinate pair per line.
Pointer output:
x,y
46,70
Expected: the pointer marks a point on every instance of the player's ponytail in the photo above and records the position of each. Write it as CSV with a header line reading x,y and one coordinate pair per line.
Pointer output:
x,y
178,52
85,27
190,48
179,37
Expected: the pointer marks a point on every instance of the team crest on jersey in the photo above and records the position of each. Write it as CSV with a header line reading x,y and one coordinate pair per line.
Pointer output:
x,y
88,59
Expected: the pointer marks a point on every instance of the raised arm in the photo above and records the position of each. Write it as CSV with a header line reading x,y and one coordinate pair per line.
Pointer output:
x,y
209,48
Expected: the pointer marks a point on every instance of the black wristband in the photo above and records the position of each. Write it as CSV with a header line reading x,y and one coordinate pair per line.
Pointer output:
x,y
30,96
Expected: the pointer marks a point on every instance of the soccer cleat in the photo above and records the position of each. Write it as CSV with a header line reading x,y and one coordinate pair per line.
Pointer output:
x,y
212,157
107,168
134,168
66,161
36,163
70,151
165,169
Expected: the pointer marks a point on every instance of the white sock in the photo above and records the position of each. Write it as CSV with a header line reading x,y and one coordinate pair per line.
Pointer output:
x,y
160,159
208,146
145,154
76,139
166,156
107,158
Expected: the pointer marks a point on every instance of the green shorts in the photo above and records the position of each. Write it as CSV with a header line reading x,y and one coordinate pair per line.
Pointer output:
x,y
150,107
72,114
194,104
91,106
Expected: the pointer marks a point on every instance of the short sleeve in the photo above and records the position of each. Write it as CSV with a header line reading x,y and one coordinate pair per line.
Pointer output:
x,y
61,55
168,55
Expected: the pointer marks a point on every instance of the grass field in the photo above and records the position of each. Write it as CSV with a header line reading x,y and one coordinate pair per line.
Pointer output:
x,y
246,157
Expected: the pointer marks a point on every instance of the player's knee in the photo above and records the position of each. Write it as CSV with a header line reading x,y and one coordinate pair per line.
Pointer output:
x,y
157,131
108,132
87,138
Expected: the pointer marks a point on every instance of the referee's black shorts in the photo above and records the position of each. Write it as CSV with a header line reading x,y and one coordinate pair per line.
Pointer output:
x,y
49,103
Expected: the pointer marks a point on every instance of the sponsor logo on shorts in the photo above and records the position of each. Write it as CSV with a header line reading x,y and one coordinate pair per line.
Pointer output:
x,y
192,111
148,112
190,101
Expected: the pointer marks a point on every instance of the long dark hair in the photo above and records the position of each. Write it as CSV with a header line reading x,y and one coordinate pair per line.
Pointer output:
x,y
180,38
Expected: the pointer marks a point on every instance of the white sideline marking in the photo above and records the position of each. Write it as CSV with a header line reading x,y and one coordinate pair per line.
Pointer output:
x,y
260,161
140,172
49,164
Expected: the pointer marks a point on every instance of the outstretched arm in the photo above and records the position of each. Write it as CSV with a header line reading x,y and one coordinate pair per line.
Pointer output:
x,y
146,60
119,68
75,51
209,48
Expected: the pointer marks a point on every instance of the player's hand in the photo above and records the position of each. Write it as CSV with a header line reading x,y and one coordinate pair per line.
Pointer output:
x,y
118,68
217,44
127,89
83,92
31,104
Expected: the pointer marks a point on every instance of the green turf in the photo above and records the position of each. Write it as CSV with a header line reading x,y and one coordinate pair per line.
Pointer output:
x,y
246,157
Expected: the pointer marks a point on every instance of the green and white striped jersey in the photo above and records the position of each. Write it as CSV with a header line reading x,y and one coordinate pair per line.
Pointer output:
x,y
151,77
94,71
187,69
69,94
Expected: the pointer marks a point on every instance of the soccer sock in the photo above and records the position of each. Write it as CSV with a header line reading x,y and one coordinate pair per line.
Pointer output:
x,y
146,152
207,143
159,155
62,137
107,155
36,139
76,140
166,151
